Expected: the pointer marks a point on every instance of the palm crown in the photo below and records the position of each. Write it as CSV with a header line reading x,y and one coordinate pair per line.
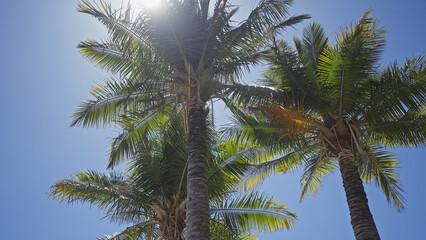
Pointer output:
x,y
178,55
329,107
152,195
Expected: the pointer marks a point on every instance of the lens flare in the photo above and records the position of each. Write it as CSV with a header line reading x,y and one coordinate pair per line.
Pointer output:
x,y
150,4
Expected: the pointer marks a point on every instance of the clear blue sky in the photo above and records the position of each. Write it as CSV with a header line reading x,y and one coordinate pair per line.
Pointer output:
x,y
43,79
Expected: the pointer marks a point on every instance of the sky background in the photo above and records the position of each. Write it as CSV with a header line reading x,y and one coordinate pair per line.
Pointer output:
x,y
43,79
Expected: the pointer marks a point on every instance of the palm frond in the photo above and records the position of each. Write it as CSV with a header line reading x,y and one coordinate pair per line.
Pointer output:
x,y
131,61
114,99
267,14
160,159
288,121
111,193
342,69
219,230
135,133
140,231
396,112
239,47
382,169
293,75
225,173
119,23
316,169
291,21
243,95
265,163
260,130
255,211
253,131
312,44
408,130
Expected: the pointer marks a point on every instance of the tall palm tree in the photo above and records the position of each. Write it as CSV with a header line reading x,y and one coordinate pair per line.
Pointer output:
x,y
181,55
330,107
152,195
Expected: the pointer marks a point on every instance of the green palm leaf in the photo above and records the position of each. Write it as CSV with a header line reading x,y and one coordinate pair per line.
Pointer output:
x,y
343,68
382,169
136,131
115,99
145,230
112,193
312,44
255,211
220,231
316,169
398,99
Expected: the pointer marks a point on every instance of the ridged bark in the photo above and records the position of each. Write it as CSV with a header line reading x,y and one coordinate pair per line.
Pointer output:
x,y
361,217
198,212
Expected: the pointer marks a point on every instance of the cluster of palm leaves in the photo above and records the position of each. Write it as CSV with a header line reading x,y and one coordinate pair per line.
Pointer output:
x,y
325,107
320,107
151,194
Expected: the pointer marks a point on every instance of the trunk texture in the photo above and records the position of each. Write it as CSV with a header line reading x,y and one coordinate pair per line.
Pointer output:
x,y
361,217
198,212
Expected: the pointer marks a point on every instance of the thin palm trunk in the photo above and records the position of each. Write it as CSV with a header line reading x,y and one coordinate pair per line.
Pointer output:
x,y
198,212
361,217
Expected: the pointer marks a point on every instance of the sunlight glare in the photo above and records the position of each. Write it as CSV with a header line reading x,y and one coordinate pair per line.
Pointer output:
x,y
150,4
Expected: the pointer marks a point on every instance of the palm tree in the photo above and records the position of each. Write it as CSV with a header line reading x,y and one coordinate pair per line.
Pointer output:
x,y
152,197
182,56
327,108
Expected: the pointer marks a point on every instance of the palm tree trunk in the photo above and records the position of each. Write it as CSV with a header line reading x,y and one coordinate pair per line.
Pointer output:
x,y
198,212
361,217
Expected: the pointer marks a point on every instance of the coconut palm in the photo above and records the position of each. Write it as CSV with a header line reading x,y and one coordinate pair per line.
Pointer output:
x,y
330,107
151,196
181,55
